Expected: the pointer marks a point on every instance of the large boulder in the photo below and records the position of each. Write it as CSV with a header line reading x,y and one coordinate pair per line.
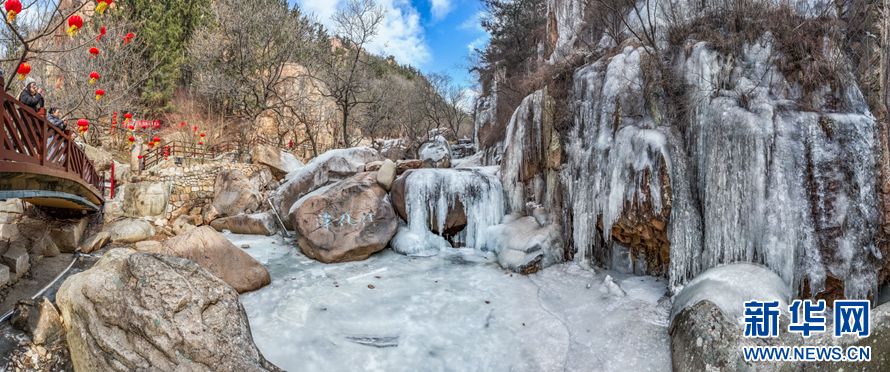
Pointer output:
x,y
455,219
220,257
151,312
348,222
95,242
329,168
253,224
130,231
101,159
279,162
260,179
233,194
436,153
386,175
11,210
139,200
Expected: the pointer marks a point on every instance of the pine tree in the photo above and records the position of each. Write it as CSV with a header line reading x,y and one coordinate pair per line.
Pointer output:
x,y
166,27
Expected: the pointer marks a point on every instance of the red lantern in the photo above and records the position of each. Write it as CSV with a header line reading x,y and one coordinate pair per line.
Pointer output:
x,y
101,33
94,51
132,127
99,93
74,24
127,117
181,124
140,156
93,77
131,139
201,143
13,8
196,129
127,38
24,70
103,4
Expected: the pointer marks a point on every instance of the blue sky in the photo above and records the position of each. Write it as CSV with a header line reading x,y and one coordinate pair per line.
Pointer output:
x,y
432,35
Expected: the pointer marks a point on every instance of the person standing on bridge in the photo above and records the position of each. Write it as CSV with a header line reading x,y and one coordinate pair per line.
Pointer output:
x,y
32,96
56,121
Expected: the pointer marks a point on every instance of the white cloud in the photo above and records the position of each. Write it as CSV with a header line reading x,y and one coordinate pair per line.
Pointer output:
x,y
441,8
479,43
400,35
472,23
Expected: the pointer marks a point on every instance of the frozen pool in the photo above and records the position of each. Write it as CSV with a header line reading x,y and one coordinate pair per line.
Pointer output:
x,y
456,311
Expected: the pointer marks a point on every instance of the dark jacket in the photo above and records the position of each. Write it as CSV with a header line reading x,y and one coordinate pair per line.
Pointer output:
x,y
58,123
35,102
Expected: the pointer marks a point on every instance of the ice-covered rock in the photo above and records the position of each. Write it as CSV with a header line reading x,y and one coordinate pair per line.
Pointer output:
x,y
730,286
610,288
436,153
392,149
458,204
279,162
417,242
524,246
328,168
348,222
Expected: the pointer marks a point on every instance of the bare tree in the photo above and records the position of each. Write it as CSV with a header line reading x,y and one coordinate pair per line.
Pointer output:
x,y
444,102
339,67
246,58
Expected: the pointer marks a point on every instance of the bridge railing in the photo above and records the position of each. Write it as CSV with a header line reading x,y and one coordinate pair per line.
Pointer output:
x,y
29,138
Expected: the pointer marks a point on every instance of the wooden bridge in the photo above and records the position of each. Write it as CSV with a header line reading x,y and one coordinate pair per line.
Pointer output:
x,y
43,165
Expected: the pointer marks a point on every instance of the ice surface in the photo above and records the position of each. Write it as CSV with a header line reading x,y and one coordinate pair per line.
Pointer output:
x,y
436,190
456,311
730,286
417,242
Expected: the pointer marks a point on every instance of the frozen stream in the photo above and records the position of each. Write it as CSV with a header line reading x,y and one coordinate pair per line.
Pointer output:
x,y
456,311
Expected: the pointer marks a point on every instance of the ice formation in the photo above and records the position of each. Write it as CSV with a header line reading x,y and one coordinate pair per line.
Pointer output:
x,y
434,191
521,147
456,311
290,163
754,177
524,244
730,286
417,242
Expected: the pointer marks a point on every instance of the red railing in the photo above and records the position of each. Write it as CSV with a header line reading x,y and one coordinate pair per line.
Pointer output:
x,y
30,139
191,150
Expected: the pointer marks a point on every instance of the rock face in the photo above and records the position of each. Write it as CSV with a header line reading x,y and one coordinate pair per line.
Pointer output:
x,y
220,257
525,245
139,200
348,222
436,153
279,162
101,159
330,167
403,166
151,312
253,224
455,219
130,231
39,318
233,194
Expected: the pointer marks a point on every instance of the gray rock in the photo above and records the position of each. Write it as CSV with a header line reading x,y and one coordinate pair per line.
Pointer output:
x,y
18,261
68,236
131,231
233,194
148,245
387,174
40,319
152,312
4,276
95,242
279,162
139,200
252,224
524,246
101,159
9,232
10,210
260,179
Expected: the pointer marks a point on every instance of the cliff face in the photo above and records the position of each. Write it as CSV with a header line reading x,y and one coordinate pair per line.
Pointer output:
x,y
708,135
